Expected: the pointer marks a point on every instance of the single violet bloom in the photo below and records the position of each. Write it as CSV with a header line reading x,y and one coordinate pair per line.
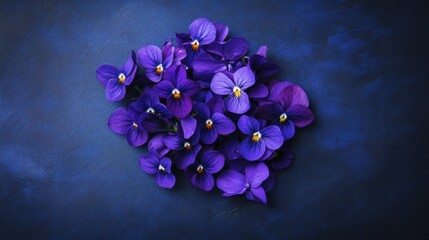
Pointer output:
x,y
291,111
201,33
212,123
121,122
200,174
153,114
258,140
161,168
185,149
178,90
233,183
115,80
156,61
236,101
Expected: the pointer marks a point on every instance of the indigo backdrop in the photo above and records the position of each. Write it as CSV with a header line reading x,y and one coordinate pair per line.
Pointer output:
x,y
360,171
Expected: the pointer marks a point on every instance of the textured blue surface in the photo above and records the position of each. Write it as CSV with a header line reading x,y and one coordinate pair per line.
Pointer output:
x,y
360,170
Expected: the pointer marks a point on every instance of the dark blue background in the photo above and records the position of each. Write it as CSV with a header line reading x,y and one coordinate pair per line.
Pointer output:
x,y
360,170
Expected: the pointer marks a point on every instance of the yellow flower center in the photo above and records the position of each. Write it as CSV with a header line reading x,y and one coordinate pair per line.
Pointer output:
x,y
200,169
209,124
161,168
283,117
135,125
187,146
256,136
121,78
159,69
237,91
176,93
150,110
195,45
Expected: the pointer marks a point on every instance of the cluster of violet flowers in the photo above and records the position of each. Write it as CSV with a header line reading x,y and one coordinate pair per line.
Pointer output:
x,y
207,108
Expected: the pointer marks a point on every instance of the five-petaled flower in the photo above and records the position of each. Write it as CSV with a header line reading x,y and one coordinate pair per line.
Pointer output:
x,y
115,80
232,182
258,140
291,111
122,122
161,168
200,174
178,90
234,86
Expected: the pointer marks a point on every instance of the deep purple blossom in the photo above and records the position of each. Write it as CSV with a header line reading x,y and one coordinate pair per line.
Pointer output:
x,y
291,111
156,61
121,122
153,114
201,33
115,80
258,140
185,149
212,123
178,90
233,87
200,174
233,183
161,168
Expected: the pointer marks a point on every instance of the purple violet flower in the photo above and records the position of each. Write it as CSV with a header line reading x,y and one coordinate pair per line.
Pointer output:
x,y
185,149
154,115
258,140
178,90
212,123
236,101
233,183
291,112
121,122
115,80
201,33
156,61
161,168
200,173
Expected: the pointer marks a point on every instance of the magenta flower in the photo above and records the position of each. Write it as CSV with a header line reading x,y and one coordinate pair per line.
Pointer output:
x,y
291,112
115,80
178,90
121,122
200,174
233,183
236,101
258,140
156,61
161,168
201,33
185,149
